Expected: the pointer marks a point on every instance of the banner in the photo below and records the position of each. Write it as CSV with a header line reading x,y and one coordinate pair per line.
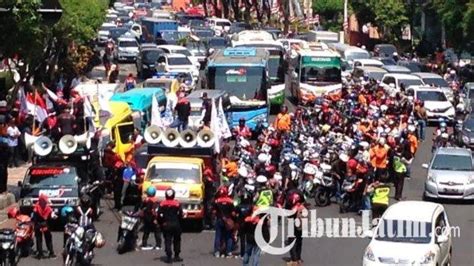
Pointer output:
x,y
215,127
223,125
155,113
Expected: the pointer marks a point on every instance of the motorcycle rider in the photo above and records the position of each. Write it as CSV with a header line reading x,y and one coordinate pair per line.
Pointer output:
x,y
41,216
148,208
170,214
264,195
242,130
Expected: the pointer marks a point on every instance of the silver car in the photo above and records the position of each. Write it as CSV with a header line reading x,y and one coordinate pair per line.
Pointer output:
x,y
450,175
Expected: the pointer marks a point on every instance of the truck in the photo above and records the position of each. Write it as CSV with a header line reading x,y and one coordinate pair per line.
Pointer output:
x,y
152,26
323,36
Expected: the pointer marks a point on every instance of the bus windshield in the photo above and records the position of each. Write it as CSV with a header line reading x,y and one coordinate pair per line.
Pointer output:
x,y
276,69
316,75
243,82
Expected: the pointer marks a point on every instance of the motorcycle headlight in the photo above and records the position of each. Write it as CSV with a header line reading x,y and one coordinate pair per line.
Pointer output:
x,y
6,245
428,258
369,254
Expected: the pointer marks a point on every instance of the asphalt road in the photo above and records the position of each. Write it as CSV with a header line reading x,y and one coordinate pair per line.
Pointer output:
x,y
197,246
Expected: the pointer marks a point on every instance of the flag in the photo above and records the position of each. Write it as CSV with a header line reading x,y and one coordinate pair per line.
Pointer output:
x,y
223,125
215,127
36,106
88,111
155,113
167,118
23,103
104,109
51,94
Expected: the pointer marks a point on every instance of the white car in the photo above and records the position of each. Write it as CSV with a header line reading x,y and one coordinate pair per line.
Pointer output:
x,y
178,49
436,80
436,103
391,82
219,25
177,63
394,244
104,32
127,49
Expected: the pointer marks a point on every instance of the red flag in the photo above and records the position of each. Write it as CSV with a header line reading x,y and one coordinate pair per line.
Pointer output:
x,y
37,106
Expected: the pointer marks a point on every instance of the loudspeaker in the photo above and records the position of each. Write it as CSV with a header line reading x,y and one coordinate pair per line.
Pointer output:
x,y
67,144
30,140
153,134
43,146
188,139
171,137
205,138
84,139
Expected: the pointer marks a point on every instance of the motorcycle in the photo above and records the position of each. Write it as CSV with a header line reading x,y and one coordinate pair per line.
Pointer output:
x,y
326,189
79,246
23,236
128,232
7,247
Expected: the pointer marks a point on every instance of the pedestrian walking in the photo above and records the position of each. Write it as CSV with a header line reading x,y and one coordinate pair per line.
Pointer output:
x,y
170,214
150,224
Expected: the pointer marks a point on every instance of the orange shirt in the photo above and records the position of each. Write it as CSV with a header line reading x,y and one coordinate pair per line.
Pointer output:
x,y
283,122
362,99
378,157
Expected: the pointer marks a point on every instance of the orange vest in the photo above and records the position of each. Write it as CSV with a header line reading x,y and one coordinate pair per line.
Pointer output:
x,y
413,143
378,157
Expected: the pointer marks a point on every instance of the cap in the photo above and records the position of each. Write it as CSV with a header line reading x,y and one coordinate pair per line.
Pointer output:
x,y
262,179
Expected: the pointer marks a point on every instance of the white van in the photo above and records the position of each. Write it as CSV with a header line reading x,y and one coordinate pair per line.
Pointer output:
x,y
219,25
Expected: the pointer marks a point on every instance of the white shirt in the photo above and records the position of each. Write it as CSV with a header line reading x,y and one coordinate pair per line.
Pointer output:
x,y
13,133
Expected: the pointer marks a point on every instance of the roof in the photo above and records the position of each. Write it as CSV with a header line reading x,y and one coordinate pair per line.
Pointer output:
x,y
219,19
218,58
210,94
369,61
425,75
402,76
175,55
177,159
138,99
425,88
454,151
158,20
321,53
421,211
372,69
172,47
393,68
127,39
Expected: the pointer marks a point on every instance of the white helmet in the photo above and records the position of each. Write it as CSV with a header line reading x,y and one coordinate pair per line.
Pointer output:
x,y
382,141
278,176
309,169
243,172
262,179
244,143
263,158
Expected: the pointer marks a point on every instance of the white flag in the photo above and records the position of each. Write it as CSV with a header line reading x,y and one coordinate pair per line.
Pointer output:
x,y
224,126
215,127
104,109
51,94
88,111
168,115
155,113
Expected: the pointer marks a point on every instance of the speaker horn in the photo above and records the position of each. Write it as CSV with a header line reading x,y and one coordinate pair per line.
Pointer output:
x,y
67,144
43,146
84,139
30,140
188,139
205,138
171,137
153,134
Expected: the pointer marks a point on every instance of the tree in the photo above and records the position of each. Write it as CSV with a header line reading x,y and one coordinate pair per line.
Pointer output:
x,y
457,17
329,11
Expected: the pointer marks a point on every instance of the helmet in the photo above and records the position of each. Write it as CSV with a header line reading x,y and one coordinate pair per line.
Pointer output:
x,y
443,124
13,212
445,136
223,191
263,158
262,179
242,120
85,200
294,198
66,210
382,141
151,191
169,194
99,240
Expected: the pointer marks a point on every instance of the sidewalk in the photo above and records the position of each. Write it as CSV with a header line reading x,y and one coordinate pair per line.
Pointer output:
x,y
8,200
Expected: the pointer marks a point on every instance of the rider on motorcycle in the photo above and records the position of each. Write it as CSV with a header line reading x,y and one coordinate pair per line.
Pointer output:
x,y
242,130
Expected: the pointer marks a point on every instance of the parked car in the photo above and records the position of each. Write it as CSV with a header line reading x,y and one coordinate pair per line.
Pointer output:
x,y
178,49
376,73
436,103
394,241
450,175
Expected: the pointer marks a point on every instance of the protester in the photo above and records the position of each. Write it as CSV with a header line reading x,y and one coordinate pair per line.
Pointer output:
x,y
41,217
150,224
183,111
170,215
66,125
130,82
13,135
224,213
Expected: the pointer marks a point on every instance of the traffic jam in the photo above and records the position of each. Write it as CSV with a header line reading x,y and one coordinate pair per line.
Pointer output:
x,y
195,139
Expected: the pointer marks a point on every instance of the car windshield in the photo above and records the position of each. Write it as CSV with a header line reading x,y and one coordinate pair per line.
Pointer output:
x,y
106,28
151,56
197,23
174,173
204,33
410,82
404,231
51,177
217,43
386,50
313,75
433,96
128,44
182,51
414,67
356,55
178,61
170,35
452,162
115,33
242,82
223,24
437,82
376,75
388,61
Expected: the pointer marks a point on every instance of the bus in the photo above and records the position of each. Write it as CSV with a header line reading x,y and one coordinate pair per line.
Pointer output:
x,y
277,65
242,73
313,73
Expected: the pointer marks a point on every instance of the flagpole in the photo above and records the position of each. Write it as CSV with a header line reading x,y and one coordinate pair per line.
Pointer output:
x,y
34,113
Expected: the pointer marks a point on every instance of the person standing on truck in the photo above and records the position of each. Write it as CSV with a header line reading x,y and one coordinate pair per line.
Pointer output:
x,y
170,214
41,216
130,82
183,110
206,109
65,122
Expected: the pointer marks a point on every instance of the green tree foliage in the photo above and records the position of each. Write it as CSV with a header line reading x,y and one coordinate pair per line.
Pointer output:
x,y
330,13
457,17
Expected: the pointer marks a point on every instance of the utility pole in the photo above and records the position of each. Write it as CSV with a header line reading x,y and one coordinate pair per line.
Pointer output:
x,y
345,25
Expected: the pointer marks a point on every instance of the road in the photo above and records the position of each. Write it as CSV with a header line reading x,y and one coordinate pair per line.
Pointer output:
x,y
197,246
